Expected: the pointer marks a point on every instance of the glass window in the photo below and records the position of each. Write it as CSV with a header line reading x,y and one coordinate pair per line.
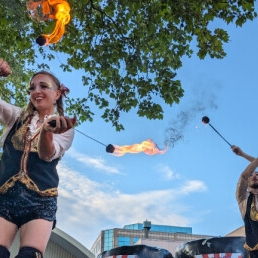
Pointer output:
x,y
108,239
123,241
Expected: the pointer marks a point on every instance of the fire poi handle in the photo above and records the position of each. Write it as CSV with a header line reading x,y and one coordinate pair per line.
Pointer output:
x,y
206,120
109,148
52,123
220,135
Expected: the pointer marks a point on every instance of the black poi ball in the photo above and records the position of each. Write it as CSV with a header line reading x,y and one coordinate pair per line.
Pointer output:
x,y
205,120
52,123
110,148
41,40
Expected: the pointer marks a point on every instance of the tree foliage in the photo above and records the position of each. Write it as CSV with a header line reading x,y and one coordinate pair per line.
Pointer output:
x,y
128,51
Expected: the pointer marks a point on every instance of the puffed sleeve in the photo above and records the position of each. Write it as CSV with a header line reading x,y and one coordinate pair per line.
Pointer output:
x,y
62,143
8,115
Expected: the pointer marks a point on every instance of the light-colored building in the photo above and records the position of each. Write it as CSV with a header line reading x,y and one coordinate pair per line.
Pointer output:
x,y
60,245
161,236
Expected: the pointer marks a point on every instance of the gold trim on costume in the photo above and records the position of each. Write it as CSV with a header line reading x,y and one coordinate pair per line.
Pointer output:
x,y
250,249
26,180
38,255
23,141
253,211
19,141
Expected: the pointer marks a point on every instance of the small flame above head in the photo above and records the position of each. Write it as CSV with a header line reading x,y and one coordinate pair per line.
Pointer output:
x,y
43,10
205,120
148,147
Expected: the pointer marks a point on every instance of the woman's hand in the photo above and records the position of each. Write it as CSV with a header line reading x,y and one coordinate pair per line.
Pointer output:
x,y
46,148
5,69
59,124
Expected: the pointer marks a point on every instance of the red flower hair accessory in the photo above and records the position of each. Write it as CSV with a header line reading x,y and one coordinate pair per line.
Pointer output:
x,y
64,90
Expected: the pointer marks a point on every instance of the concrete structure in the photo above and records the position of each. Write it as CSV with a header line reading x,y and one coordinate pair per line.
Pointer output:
x,y
238,232
60,245
161,236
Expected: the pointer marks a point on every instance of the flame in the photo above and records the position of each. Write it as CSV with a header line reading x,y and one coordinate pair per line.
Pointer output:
x,y
58,10
148,147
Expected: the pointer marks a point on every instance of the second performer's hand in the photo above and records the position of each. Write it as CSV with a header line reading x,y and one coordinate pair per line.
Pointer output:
x,y
237,150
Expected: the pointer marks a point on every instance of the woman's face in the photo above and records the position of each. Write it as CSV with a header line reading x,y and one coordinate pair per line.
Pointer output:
x,y
43,93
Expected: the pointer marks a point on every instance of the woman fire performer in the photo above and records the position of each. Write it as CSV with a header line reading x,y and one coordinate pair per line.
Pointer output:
x,y
28,177
247,198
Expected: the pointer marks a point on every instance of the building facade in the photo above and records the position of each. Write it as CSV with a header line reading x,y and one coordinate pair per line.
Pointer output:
x,y
162,236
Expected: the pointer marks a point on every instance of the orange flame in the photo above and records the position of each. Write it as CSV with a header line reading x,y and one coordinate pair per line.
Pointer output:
x,y
148,147
58,10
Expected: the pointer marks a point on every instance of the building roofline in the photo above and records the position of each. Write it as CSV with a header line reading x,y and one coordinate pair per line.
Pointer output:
x,y
70,244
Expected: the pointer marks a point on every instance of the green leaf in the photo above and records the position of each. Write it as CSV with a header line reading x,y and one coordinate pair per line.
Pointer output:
x,y
127,52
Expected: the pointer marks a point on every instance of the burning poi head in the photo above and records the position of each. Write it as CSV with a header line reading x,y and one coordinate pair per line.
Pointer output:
x,y
42,10
148,147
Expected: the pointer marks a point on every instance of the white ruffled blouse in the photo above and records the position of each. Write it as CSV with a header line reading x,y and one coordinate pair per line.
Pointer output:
x,y
9,114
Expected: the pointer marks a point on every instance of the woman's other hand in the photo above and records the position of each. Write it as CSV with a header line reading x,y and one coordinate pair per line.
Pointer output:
x,y
5,69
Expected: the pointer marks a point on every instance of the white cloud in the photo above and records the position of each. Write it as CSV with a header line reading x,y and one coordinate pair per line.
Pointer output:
x,y
97,163
87,207
167,173
192,186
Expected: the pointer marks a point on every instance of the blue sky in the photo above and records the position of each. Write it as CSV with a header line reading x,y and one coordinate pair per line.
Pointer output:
x,y
193,183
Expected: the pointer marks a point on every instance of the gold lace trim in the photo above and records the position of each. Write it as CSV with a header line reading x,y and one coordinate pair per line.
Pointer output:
x,y
28,182
253,211
23,141
19,141
248,248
